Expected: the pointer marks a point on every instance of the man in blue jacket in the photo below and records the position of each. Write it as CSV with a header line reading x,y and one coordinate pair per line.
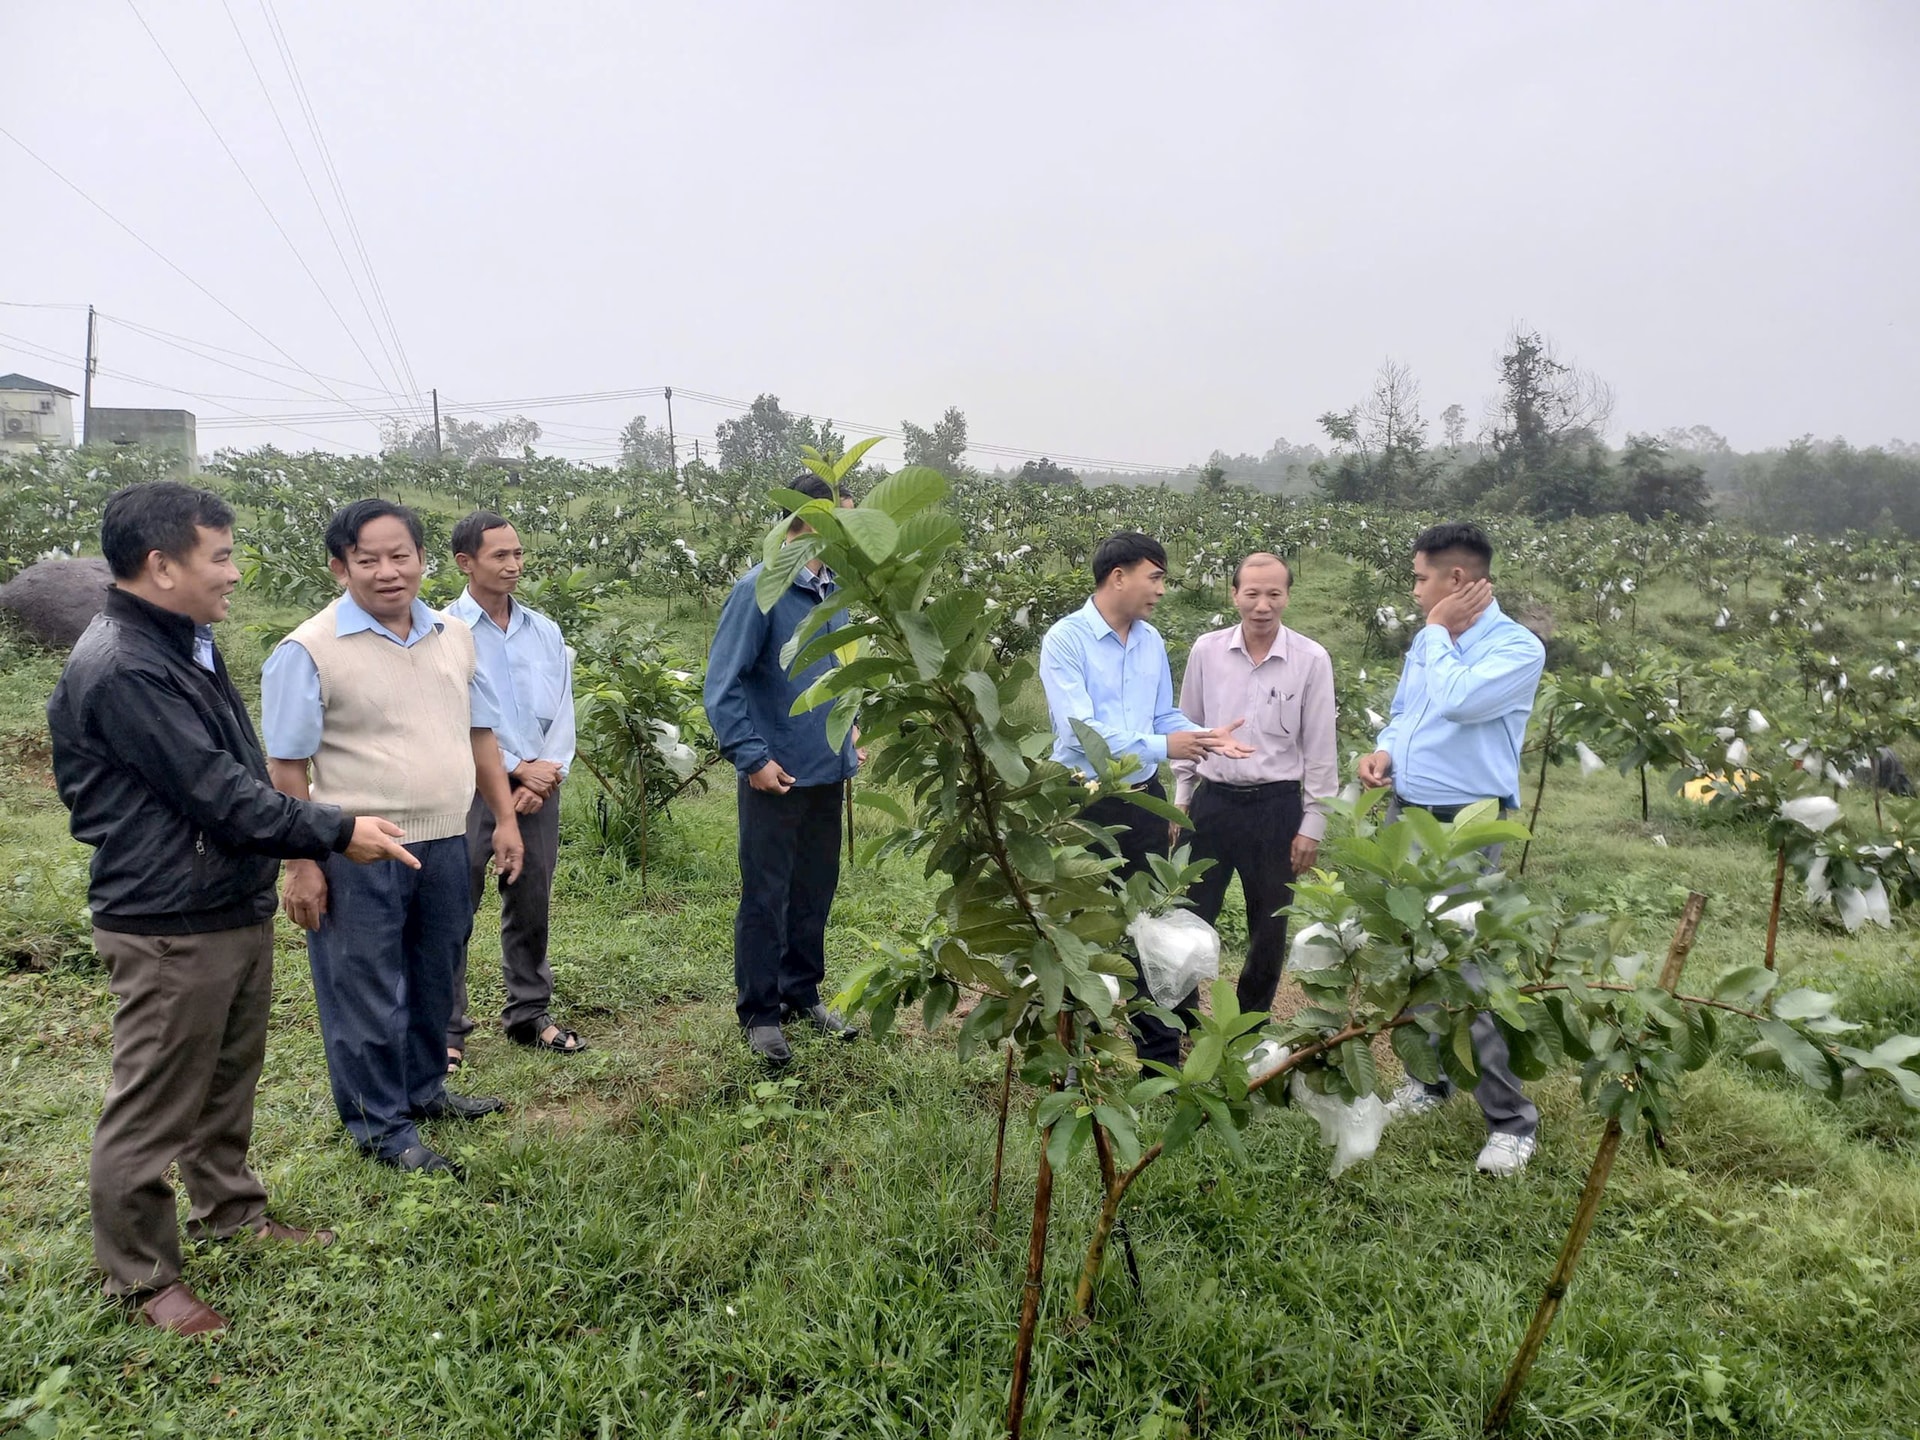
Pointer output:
x,y
790,789
1458,725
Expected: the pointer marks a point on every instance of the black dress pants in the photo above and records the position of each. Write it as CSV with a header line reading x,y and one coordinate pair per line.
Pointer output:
x,y
1142,833
1248,831
789,868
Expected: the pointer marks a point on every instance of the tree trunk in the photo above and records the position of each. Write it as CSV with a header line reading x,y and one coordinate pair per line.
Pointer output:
x,y
1645,814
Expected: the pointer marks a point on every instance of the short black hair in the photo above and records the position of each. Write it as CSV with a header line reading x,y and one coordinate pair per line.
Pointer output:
x,y
163,515
810,485
1256,556
343,531
1129,547
1462,535
468,534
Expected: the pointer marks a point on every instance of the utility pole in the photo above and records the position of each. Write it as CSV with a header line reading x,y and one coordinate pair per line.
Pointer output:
x,y
436,423
672,450
86,385
696,450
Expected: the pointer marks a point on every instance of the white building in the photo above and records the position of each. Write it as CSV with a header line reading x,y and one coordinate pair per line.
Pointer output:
x,y
32,413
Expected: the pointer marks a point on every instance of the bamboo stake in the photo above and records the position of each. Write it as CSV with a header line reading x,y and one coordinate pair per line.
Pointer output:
x,y
1000,1143
1773,915
1030,1294
1589,1206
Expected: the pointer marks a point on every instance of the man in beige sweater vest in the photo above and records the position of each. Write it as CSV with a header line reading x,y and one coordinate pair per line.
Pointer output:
x,y
376,704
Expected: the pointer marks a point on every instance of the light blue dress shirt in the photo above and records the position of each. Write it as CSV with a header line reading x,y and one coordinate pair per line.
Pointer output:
x,y
291,712
531,671
1460,712
1122,688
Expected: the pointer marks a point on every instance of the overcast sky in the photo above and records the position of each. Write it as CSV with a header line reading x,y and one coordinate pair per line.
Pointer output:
x,y
1135,232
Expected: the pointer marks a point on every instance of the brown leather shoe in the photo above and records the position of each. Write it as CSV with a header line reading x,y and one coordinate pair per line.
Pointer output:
x,y
271,1229
178,1309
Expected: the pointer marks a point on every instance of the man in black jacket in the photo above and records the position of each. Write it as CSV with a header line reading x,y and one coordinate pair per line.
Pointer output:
x,y
158,762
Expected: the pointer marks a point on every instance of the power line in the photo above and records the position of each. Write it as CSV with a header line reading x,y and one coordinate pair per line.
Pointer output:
x,y
267,209
285,48
199,347
300,166
144,244
27,347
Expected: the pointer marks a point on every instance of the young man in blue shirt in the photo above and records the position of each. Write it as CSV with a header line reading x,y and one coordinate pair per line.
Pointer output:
x,y
1105,666
1458,725
790,789
530,668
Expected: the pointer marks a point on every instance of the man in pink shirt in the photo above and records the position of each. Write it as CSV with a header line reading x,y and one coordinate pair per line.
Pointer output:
x,y
1261,816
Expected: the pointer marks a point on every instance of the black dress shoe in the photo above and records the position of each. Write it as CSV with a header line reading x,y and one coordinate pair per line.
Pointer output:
x,y
830,1022
459,1107
420,1158
769,1044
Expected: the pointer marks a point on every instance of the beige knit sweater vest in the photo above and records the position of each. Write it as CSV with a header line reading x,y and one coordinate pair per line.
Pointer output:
x,y
395,740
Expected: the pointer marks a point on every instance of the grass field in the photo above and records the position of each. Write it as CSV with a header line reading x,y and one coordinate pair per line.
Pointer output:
x,y
630,1258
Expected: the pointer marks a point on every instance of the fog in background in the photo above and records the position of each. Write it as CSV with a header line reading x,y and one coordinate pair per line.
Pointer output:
x,y
1112,232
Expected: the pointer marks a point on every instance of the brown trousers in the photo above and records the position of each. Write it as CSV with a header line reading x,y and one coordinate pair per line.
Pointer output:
x,y
188,1042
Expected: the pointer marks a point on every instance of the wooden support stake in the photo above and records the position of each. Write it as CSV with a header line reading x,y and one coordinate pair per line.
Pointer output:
x,y
1589,1206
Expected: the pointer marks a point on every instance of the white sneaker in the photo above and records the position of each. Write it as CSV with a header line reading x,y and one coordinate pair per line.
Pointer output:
x,y
1505,1154
1412,1098
1265,1060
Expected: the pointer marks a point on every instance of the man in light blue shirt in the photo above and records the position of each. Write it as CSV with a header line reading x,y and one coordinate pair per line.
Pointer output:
x,y
522,654
1459,722
1106,667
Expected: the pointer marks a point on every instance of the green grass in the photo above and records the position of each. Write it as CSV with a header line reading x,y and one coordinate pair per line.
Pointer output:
x,y
629,1259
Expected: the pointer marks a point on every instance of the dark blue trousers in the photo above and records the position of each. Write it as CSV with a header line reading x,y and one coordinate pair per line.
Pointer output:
x,y
789,868
383,978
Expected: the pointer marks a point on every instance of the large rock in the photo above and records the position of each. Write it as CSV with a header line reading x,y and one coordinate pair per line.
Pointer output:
x,y
55,600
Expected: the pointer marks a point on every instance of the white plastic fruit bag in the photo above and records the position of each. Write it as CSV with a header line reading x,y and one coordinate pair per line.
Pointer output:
x,y
1178,951
1351,1127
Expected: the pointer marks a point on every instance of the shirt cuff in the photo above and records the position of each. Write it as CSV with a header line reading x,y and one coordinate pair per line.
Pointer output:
x,y
1154,749
507,758
345,837
1313,825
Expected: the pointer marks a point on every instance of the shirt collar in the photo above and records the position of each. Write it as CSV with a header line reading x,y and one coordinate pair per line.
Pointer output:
x,y
350,619
1238,641
470,609
1103,628
1482,627
821,584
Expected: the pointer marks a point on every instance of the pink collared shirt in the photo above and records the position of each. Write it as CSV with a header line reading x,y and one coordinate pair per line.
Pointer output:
x,y
1287,701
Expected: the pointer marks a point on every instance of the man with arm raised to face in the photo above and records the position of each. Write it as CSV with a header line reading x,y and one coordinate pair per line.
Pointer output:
x,y
1260,817
530,670
1106,666
378,695
156,758
792,782
1458,725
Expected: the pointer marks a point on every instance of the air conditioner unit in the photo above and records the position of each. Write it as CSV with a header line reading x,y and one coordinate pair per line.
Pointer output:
x,y
17,425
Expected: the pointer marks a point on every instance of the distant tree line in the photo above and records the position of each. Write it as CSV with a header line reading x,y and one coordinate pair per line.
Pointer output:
x,y
1540,451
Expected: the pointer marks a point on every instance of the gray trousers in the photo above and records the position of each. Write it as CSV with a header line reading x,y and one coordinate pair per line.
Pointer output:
x,y
189,1038
525,908
1504,1104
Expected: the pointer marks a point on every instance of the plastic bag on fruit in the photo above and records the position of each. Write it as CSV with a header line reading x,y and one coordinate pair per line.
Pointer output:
x,y
1178,952
1351,1127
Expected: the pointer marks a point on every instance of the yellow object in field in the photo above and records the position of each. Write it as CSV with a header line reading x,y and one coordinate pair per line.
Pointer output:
x,y
1701,791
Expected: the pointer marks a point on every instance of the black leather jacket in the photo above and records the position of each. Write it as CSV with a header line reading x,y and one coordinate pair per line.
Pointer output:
x,y
158,762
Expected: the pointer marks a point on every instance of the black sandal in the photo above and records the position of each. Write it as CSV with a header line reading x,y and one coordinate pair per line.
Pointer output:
x,y
455,1059
528,1033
